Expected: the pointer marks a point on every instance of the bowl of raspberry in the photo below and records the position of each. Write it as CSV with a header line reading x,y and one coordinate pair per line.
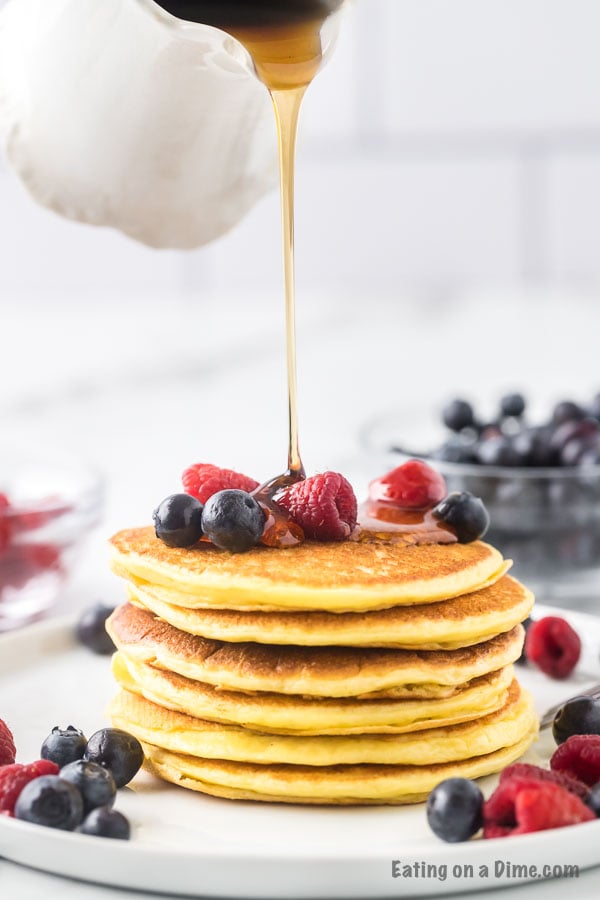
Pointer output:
x,y
48,505
539,479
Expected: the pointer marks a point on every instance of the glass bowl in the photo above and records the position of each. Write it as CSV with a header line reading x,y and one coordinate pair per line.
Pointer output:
x,y
547,520
48,505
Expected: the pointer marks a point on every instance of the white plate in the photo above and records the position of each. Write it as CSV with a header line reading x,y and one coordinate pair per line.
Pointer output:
x,y
186,843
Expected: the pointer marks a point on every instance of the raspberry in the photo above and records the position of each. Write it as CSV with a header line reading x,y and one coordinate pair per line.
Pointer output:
x,y
536,773
579,756
553,646
324,506
8,750
413,485
524,805
41,556
4,523
14,778
202,480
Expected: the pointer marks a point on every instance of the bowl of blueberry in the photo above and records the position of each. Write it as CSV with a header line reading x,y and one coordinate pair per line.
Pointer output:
x,y
539,477
48,505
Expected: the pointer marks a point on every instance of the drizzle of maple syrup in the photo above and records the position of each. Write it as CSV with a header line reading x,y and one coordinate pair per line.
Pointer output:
x,y
285,44
378,520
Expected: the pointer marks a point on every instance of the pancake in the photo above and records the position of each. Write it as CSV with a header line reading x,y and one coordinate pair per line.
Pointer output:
x,y
308,671
336,577
443,625
339,785
183,734
291,714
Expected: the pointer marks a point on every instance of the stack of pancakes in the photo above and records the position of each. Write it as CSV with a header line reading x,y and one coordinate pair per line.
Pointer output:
x,y
323,673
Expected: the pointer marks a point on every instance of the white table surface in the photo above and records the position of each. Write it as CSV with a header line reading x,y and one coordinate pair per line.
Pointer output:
x,y
143,391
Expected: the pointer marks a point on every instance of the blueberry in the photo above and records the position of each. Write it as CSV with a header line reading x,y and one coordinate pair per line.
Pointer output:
x,y
95,783
593,800
455,809
90,630
178,520
574,438
458,415
498,451
580,715
466,515
106,822
64,745
50,801
116,750
562,434
233,520
567,411
534,446
512,405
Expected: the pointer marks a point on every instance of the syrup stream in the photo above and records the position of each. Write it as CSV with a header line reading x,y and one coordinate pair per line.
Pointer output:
x,y
287,105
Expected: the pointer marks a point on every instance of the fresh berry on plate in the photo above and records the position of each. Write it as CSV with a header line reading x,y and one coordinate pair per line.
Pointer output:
x,y
536,773
233,520
523,805
458,414
454,809
50,801
106,822
64,745
323,505
202,480
178,520
580,715
8,751
91,632
465,514
95,783
118,751
13,779
413,485
579,756
553,646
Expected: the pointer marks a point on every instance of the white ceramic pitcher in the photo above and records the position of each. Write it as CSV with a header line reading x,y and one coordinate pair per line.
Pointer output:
x,y
113,113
